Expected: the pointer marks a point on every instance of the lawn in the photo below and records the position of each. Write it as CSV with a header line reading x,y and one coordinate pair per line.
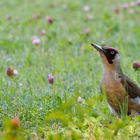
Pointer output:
x,y
52,37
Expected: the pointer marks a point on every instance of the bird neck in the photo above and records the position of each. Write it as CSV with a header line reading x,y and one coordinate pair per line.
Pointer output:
x,y
111,68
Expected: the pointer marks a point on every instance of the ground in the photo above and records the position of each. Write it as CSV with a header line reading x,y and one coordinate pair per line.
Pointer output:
x,y
70,107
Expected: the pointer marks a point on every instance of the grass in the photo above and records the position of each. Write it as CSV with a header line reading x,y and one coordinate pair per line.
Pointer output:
x,y
52,111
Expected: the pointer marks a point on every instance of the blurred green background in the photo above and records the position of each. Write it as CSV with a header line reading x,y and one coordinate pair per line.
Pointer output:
x,y
53,111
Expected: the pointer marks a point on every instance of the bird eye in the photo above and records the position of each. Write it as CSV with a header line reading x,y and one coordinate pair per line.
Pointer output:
x,y
112,52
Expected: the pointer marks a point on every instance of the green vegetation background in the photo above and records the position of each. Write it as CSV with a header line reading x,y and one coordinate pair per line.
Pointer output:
x,y
53,111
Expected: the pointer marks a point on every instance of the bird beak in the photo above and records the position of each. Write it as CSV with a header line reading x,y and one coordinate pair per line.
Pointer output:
x,y
98,48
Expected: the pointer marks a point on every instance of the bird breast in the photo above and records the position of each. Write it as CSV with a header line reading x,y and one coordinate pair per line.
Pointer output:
x,y
111,85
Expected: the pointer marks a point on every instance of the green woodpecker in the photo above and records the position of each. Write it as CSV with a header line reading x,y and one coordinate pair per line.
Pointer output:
x,y
121,92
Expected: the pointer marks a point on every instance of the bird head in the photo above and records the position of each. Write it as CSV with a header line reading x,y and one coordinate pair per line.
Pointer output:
x,y
110,56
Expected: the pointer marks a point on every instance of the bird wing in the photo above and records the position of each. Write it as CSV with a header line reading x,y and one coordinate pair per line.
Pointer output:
x,y
132,89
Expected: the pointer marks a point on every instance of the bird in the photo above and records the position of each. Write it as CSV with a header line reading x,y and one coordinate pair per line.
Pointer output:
x,y
122,94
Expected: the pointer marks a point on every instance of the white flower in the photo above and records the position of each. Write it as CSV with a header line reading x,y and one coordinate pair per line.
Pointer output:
x,y
80,99
15,72
86,8
42,32
36,40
